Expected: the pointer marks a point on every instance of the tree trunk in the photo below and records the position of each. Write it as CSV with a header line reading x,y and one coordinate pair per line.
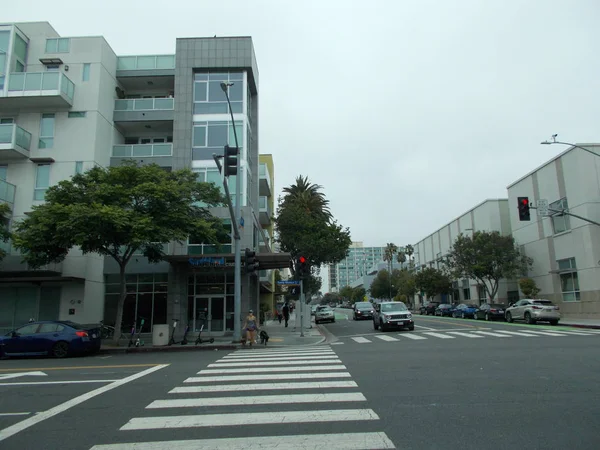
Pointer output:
x,y
122,296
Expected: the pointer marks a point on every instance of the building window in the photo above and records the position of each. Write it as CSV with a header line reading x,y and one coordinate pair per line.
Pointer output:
x,y
76,114
211,137
47,131
42,181
467,293
568,280
59,45
481,293
3,172
52,68
86,72
209,97
78,167
560,224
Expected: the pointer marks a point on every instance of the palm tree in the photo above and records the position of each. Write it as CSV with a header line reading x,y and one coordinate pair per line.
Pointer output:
x,y
388,255
308,196
409,250
401,257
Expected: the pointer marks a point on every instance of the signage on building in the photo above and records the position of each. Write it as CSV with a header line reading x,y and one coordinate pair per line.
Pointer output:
x,y
210,262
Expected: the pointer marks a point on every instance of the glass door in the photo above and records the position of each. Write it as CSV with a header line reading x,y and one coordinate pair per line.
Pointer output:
x,y
201,313
209,311
217,309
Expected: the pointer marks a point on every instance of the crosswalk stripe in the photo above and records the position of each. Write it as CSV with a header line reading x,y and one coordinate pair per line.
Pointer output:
x,y
415,337
361,340
337,397
517,333
245,353
469,335
544,333
572,333
264,386
279,355
281,362
269,376
438,335
287,358
383,337
246,418
341,441
241,370
489,333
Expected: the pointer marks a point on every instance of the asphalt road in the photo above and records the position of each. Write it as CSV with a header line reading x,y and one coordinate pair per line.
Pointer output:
x,y
493,391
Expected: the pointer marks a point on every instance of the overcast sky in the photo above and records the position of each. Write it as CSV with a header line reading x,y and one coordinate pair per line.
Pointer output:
x,y
408,113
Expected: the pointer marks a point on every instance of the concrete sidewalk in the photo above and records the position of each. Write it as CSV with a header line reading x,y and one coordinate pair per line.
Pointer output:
x,y
580,323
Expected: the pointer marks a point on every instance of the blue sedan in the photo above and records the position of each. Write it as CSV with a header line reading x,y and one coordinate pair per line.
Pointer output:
x,y
463,310
55,338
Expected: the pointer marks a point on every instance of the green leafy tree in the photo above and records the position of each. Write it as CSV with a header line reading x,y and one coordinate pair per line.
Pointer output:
x,y
4,220
308,196
432,282
346,292
312,285
402,283
331,297
487,257
358,294
406,283
117,212
401,257
528,287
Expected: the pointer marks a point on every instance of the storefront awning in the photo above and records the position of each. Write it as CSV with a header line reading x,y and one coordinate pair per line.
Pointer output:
x,y
266,261
39,279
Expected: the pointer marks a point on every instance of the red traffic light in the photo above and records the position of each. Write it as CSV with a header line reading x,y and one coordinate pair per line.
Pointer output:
x,y
302,260
525,201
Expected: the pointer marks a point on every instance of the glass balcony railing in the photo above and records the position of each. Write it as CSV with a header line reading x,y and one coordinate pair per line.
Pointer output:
x,y
146,62
209,249
15,135
144,104
41,82
132,151
263,205
7,192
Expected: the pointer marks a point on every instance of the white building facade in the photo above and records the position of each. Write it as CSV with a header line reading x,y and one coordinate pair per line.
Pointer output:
x,y
565,249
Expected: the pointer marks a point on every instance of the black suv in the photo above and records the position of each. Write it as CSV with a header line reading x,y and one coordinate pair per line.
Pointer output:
x,y
363,310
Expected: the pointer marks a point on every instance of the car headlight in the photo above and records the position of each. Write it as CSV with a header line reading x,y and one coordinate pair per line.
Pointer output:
x,y
409,316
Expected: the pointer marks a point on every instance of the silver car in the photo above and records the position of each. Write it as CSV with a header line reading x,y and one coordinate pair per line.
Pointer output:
x,y
532,310
324,314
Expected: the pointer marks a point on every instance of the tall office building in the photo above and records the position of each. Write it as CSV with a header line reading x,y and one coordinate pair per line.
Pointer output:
x,y
358,263
68,104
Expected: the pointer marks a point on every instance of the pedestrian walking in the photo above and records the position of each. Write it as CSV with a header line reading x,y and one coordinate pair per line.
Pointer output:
x,y
286,313
250,326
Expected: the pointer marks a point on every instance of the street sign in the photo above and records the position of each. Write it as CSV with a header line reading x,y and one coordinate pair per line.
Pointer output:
x,y
21,374
542,207
289,282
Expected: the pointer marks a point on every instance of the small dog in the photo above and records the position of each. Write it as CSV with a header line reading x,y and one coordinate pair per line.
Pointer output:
x,y
264,337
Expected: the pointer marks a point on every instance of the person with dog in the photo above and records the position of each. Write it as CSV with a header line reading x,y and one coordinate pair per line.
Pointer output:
x,y
251,325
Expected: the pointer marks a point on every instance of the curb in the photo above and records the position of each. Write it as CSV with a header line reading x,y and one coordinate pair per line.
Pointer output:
x,y
167,349
593,327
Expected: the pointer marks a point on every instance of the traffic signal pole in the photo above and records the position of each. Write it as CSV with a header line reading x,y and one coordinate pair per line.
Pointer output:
x,y
301,307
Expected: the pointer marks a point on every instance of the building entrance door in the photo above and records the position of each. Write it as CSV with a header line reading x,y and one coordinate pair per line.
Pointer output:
x,y
209,310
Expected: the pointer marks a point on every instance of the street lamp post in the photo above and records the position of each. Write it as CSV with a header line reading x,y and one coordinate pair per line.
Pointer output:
x,y
554,141
237,289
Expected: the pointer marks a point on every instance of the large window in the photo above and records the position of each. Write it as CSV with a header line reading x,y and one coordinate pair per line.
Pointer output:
x,y
560,224
47,131
196,245
568,280
85,76
211,137
60,45
209,97
212,175
3,172
42,181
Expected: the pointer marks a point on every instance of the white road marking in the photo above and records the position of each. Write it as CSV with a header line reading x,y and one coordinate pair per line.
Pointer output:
x,y
42,383
277,355
488,333
259,400
41,416
242,354
342,441
281,362
469,335
336,343
383,337
287,358
269,376
242,370
264,386
262,418
572,333
415,337
14,414
425,328
361,340
438,335
517,333
8,376
544,333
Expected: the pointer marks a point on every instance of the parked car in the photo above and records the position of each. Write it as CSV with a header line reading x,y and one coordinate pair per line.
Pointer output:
x,y
392,315
429,309
444,309
54,338
533,310
464,310
363,310
324,314
490,311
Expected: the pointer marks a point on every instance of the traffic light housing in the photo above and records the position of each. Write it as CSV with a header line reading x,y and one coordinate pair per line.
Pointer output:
x,y
250,261
524,213
302,267
230,160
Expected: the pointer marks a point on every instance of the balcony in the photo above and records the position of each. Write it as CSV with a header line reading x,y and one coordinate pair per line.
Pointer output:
x,y
264,178
266,277
14,142
7,192
145,65
38,90
264,211
142,150
144,110
209,249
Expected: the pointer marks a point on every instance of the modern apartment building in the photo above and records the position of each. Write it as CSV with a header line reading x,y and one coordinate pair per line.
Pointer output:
x,y
565,249
266,208
359,262
70,103
490,215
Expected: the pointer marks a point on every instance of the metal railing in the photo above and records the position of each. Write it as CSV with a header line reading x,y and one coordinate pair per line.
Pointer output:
x,y
146,62
144,104
7,192
15,135
209,249
41,81
129,151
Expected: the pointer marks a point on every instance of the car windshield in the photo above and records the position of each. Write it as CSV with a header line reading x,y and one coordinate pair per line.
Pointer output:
x,y
393,307
323,308
363,305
